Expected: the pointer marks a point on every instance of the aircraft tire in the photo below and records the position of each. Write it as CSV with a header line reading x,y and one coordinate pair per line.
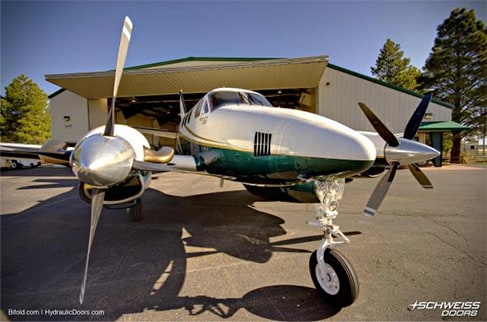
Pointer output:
x,y
339,284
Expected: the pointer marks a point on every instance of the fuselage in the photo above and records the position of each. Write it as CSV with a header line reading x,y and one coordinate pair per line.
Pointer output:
x,y
237,133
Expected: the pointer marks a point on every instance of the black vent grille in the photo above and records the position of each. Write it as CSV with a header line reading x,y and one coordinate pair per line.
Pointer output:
x,y
262,144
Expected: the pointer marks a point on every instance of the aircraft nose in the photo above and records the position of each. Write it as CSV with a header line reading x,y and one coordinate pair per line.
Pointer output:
x,y
339,143
351,151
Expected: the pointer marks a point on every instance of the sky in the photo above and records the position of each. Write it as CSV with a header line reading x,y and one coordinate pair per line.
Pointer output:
x,y
40,37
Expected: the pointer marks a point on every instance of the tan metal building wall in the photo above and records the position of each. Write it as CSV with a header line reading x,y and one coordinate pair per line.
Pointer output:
x,y
69,116
72,116
340,91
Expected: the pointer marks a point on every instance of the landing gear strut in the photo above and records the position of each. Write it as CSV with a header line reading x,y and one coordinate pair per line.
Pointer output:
x,y
132,208
135,210
332,274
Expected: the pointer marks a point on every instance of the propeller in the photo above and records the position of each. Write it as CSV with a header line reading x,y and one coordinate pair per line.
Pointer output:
x,y
415,120
104,160
122,54
400,151
383,131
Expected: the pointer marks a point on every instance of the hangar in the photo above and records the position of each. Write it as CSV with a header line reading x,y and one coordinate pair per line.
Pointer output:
x,y
148,95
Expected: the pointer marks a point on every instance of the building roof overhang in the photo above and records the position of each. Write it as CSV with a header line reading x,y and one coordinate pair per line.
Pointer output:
x,y
441,126
198,78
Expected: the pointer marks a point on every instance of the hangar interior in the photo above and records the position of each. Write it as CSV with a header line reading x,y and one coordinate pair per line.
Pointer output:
x,y
148,95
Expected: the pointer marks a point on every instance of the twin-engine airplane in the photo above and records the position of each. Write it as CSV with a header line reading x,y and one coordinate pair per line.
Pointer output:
x,y
236,134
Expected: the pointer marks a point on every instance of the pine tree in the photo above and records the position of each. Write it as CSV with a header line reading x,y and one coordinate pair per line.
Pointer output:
x,y
25,114
393,68
456,69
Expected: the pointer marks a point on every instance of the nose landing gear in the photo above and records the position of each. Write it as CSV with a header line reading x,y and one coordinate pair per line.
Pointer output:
x,y
332,274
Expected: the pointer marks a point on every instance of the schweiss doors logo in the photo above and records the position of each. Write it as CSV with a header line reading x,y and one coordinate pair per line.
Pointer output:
x,y
449,309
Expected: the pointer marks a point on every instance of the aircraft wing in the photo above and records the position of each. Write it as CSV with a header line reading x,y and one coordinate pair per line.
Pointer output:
x,y
52,152
19,151
55,152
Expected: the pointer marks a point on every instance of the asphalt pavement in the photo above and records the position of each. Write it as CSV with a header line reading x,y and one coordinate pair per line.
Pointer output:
x,y
205,252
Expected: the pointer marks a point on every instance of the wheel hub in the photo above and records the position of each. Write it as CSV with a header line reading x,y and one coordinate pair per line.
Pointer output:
x,y
328,279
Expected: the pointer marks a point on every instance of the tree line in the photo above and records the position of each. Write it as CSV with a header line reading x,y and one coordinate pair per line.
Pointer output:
x,y
25,115
455,70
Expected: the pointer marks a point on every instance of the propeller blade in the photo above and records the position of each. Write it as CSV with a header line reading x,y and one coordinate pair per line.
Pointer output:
x,y
420,176
380,191
122,54
415,120
383,131
97,197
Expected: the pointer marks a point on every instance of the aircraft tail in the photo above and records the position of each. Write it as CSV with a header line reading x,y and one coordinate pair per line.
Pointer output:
x,y
182,104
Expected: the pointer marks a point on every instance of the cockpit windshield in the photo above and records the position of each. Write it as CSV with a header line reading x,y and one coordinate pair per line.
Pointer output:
x,y
221,98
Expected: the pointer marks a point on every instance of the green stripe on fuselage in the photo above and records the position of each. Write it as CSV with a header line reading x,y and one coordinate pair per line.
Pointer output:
x,y
271,169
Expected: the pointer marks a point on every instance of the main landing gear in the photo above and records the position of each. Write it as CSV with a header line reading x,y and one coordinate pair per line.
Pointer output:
x,y
132,208
332,274
135,210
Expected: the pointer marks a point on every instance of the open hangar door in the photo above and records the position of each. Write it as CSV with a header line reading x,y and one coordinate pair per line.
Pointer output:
x,y
148,94
161,112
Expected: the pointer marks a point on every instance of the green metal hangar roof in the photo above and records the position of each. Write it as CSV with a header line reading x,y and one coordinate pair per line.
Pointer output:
x,y
439,126
198,75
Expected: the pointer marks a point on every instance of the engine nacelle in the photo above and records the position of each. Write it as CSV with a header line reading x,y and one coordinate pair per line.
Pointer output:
x,y
126,192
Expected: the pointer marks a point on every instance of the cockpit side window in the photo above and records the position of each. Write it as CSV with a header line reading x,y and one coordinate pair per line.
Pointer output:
x,y
201,108
198,108
205,108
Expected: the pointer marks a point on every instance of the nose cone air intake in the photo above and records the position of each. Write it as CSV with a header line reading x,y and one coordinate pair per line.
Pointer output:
x,y
102,161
